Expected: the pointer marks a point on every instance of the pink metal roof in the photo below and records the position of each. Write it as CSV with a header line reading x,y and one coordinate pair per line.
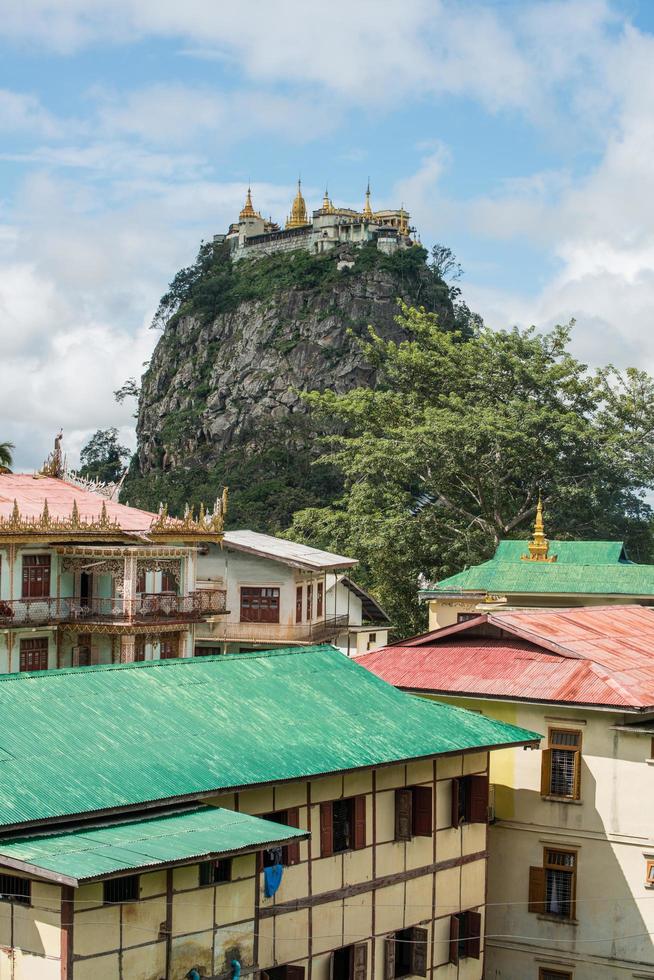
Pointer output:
x,y
600,655
30,493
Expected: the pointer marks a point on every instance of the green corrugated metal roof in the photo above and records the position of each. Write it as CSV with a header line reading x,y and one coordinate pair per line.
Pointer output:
x,y
95,738
582,567
94,852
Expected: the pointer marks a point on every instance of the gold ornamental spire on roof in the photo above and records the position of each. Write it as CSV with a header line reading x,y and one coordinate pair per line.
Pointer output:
x,y
248,209
326,203
298,215
367,210
539,545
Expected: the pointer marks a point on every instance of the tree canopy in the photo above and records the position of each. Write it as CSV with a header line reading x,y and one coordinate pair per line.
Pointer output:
x,y
449,453
6,456
103,457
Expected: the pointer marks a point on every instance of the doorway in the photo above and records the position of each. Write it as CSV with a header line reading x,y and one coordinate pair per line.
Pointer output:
x,y
86,589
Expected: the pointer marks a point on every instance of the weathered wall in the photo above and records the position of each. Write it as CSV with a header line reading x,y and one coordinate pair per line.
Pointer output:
x,y
30,936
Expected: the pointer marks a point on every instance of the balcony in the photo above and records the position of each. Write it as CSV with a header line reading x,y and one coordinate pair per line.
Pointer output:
x,y
320,632
146,608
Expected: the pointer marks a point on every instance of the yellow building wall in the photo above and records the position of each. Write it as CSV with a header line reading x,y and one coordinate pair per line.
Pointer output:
x,y
30,936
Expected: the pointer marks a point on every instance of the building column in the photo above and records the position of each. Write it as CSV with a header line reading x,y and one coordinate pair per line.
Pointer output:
x,y
127,648
129,587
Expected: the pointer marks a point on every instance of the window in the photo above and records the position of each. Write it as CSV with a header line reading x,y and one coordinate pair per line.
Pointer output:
x,y
34,653
309,603
349,962
283,973
15,889
553,887
469,800
405,953
466,617
139,649
259,605
168,648
216,872
561,765
372,640
342,825
290,853
140,580
169,582
82,654
649,873
413,812
298,604
320,596
36,576
465,936
118,890
546,974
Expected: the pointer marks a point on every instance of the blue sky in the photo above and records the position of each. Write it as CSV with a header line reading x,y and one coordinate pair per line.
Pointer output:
x,y
519,134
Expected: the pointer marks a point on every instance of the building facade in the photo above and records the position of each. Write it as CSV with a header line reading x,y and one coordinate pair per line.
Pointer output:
x,y
213,824
571,843
327,227
279,592
85,580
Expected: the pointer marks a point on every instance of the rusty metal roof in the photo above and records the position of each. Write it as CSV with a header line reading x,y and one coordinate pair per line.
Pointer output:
x,y
602,655
288,552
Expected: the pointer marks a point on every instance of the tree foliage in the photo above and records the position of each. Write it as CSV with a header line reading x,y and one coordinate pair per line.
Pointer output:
x,y
103,457
450,452
6,455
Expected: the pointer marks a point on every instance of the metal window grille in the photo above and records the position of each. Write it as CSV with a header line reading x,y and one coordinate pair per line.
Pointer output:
x,y
118,890
15,889
563,772
571,740
560,869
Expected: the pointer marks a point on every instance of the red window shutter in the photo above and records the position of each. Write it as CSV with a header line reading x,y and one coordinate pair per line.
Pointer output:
x,y
359,822
422,811
359,970
389,958
473,934
403,814
536,890
477,799
326,830
293,850
455,806
454,939
418,952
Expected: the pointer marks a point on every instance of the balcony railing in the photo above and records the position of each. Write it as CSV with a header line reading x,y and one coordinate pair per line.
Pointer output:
x,y
148,607
325,629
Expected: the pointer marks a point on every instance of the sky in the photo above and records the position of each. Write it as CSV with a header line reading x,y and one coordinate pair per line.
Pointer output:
x,y
520,134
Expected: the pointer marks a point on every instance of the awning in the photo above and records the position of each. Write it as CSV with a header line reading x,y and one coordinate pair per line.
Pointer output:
x,y
85,853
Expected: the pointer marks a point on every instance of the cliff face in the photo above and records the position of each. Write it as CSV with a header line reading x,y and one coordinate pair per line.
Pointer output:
x,y
221,401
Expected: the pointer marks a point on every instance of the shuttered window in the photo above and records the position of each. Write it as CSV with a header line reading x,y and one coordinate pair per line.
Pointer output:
x,y
283,973
290,852
469,800
36,576
309,603
465,936
406,953
34,653
342,825
298,604
118,890
259,605
349,962
15,889
169,648
552,887
561,764
216,872
413,812
320,598
169,582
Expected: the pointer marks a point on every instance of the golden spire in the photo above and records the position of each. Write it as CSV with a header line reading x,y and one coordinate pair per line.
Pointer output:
x,y
298,215
404,229
248,210
539,545
367,210
326,203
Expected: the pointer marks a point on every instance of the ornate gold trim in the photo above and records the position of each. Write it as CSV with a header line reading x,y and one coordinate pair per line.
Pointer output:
x,y
206,523
16,523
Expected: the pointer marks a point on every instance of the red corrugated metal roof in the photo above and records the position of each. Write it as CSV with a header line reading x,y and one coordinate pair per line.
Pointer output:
x,y
31,492
600,655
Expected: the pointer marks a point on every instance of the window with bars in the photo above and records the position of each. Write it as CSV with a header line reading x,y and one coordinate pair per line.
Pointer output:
x,y
216,872
561,764
118,890
546,974
15,889
552,888
34,653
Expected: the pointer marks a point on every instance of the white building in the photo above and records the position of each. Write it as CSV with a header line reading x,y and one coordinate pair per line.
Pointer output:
x,y
280,593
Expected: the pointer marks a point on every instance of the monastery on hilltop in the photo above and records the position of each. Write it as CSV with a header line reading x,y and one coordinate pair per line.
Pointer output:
x,y
327,227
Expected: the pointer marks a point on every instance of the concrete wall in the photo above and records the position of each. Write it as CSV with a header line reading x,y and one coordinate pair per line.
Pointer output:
x,y
444,612
30,936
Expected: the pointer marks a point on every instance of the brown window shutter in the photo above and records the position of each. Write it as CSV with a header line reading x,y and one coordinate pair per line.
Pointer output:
x,y
331,966
294,973
326,830
403,814
455,805
546,772
359,970
477,799
418,952
389,958
359,822
577,777
473,934
422,811
536,890
293,850
454,939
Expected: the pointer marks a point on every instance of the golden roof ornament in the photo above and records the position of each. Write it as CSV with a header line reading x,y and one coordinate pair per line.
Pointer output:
x,y
539,545
367,210
55,464
206,523
298,216
248,209
45,523
326,203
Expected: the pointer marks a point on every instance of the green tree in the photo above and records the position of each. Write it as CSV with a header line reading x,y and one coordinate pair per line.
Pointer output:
x,y
6,457
103,457
449,453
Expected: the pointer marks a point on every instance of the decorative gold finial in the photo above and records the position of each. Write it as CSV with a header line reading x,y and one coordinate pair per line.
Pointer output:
x,y
248,209
539,545
298,216
367,210
326,203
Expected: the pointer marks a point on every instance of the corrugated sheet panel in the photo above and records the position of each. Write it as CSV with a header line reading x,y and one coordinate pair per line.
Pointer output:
x,y
90,852
93,738
288,552
567,552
